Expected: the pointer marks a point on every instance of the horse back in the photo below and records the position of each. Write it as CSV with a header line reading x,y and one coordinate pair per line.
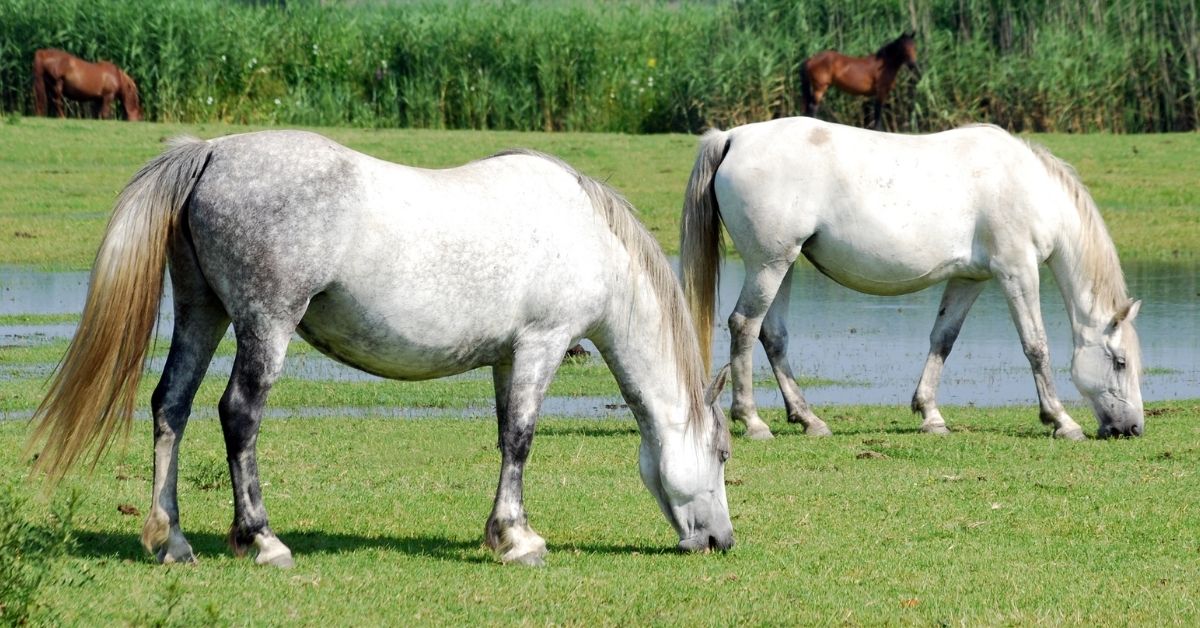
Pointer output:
x,y
895,212
411,273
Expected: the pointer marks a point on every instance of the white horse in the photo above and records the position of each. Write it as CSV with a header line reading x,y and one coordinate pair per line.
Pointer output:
x,y
402,272
892,214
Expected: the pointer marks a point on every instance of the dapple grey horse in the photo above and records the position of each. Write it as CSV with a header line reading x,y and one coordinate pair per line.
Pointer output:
x,y
402,272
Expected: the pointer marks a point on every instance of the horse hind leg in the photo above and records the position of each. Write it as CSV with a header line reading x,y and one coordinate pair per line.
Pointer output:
x,y
200,322
745,324
261,349
520,388
774,338
957,300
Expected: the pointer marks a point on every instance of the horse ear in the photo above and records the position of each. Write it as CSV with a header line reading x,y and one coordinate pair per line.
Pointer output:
x,y
1127,313
718,384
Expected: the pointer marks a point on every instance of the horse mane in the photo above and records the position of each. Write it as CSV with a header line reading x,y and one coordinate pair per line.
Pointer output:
x,y
648,261
893,49
1097,254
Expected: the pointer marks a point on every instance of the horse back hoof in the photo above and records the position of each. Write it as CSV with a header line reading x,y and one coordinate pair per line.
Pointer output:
x,y
281,561
937,429
1073,433
818,430
184,558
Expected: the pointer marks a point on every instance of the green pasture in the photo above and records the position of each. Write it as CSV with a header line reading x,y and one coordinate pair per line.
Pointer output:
x,y
58,179
879,524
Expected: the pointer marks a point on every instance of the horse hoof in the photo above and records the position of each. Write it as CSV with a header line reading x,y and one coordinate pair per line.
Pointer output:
x,y
760,434
532,559
183,558
818,429
1074,433
282,561
937,429
271,551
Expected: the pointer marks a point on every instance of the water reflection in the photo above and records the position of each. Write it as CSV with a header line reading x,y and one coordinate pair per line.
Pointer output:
x,y
875,346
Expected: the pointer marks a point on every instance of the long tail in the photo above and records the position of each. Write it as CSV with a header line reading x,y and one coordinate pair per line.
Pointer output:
x,y
39,86
700,243
93,392
805,88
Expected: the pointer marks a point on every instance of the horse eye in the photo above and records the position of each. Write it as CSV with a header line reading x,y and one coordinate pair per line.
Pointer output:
x,y
1119,361
724,455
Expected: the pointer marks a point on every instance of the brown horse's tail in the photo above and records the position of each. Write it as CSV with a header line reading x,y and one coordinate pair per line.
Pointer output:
x,y
806,93
94,389
39,85
700,243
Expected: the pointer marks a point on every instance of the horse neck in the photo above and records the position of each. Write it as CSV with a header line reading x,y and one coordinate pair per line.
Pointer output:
x,y
1086,270
639,343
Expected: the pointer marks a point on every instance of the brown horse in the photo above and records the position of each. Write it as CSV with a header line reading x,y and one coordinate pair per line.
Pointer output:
x,y
63,74
872,76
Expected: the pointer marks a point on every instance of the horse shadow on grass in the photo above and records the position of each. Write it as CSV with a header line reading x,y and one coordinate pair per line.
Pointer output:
x,y
120,546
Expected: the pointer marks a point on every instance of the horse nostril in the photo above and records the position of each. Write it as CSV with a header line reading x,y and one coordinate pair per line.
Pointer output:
x,y
1136,430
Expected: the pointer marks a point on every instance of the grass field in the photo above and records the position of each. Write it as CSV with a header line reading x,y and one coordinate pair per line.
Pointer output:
x,y
58,179
996,524
879,524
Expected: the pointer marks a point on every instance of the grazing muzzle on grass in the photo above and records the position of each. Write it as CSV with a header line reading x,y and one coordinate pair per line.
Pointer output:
x,y
1107,370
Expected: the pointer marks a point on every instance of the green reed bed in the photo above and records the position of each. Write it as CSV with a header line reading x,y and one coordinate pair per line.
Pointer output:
x,y
627,65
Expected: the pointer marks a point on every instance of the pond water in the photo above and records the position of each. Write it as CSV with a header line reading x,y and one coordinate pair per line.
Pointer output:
x,y
873,347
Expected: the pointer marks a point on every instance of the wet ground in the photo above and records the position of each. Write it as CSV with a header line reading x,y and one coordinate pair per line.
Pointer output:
x,y
873,346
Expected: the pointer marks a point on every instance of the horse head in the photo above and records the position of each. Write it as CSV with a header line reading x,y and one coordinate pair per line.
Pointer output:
x,y
907,49
129,97
1106,367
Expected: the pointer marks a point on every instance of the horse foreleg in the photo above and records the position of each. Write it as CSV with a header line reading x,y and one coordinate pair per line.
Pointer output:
x,y
878,114
774,338
259,360
58,99
520,388
105,107
956,302
1022,291
745,323
198,330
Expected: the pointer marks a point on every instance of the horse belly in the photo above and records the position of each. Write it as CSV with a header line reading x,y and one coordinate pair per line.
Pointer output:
x,y
885,260
397,344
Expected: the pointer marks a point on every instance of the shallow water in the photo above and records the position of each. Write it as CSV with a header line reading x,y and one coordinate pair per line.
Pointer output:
x,y
874,346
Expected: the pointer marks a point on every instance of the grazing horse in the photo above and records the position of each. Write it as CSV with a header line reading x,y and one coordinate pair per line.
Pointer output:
x,y
891,214
872,76
63,74
402,272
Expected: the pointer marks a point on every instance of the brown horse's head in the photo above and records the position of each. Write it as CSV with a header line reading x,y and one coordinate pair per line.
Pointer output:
x,y
129,97
901,51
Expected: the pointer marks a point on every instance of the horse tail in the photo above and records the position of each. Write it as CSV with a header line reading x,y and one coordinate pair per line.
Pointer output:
x,y
94,389
39,85
805,86
700,244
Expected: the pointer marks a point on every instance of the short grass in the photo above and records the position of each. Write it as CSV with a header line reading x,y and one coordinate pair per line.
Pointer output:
x,y
58,178
996,524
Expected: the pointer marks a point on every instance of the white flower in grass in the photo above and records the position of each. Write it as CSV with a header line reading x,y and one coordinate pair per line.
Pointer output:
x,y
209,101
278,102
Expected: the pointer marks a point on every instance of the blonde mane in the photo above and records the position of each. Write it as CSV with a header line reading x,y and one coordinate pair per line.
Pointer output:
x,y
1096,253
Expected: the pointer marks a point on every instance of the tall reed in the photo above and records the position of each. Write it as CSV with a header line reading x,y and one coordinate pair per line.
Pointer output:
x,y
626,65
